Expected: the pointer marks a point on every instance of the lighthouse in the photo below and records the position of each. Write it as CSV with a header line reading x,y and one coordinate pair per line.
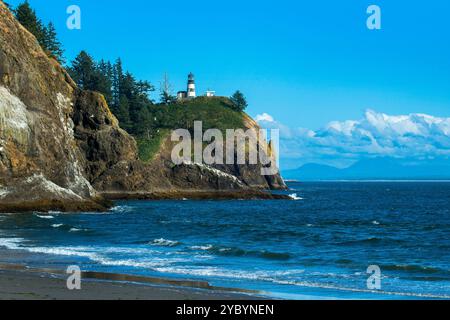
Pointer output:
x,y
191,86
190,93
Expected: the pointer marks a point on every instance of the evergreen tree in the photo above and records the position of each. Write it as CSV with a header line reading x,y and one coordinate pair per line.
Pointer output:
x,y
239,101
83,72
145,123
116,80
123,113
27,18
51,44
127,97
105,84
46,36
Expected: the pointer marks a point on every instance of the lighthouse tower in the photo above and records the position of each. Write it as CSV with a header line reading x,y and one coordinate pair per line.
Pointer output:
x,y
191,86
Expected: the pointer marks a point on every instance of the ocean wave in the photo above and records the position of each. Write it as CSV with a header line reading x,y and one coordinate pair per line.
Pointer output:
x,y
121,209
95,254
360,290
153,264
44,216
371,241
63,251
273,277
207,247
57,225
427,278
18,244
164,242
238,252
11,243
413,268
166,265
294,196
77,230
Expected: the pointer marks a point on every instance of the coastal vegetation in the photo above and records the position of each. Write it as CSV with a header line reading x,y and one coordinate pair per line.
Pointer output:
x,y
45,34
129,98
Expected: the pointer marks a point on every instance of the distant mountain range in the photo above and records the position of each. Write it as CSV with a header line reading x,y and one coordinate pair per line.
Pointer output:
x,y
375,169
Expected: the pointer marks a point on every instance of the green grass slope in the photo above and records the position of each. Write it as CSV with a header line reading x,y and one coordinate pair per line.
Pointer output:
x,y
214,112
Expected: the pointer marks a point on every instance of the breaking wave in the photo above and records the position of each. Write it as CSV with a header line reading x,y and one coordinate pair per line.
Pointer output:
x,y
238,252
45,216
294,196
164,242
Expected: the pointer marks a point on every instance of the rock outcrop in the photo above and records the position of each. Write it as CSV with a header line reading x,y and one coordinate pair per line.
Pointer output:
x,y
62,148
39,160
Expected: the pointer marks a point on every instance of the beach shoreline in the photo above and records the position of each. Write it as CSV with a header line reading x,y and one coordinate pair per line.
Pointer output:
x,y
18,282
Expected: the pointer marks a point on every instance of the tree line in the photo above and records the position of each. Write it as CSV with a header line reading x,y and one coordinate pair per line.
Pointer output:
x,y
45,34
128,98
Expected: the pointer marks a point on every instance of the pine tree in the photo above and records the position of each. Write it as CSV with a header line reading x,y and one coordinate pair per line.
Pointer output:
x,y
127,97
83,72
117,81
239,101
51,44
27,18
105,84
123,113
145,123
46,36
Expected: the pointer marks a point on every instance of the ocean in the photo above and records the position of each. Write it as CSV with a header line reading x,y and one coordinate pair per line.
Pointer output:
x,y
317,246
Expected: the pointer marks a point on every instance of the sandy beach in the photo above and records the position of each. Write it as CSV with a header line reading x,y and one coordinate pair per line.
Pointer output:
x,y
19,283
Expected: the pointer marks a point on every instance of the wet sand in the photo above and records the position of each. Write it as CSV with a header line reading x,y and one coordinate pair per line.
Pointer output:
x,y
18,282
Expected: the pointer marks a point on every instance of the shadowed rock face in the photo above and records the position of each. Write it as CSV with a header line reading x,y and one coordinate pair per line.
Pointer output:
x,y
60,145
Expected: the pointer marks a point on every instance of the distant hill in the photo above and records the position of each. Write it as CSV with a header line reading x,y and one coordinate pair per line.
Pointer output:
x,y
375,169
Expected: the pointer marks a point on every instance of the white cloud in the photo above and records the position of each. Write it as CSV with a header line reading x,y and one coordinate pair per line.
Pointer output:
x,y
265,117
377,134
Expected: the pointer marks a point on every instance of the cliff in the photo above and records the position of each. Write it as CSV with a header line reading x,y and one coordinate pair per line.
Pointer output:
x,y
61,148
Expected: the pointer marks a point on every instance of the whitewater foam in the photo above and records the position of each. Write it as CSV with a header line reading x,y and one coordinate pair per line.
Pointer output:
x,y
11,243
207,247
45,217
77,230
165,265
294,196
164,242
268,277
121,209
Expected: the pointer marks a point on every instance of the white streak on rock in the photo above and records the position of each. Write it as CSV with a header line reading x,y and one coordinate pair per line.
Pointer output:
x,y
13,116
3,192
214,171
51,187
76,180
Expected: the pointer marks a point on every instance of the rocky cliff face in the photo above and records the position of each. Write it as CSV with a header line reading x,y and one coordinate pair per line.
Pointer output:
x,y
39,160
61,146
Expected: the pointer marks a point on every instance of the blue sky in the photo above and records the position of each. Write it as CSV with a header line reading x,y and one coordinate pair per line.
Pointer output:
x,y
305,63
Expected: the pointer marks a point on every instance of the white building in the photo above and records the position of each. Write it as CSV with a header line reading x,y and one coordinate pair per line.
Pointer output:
x,y
191,86
191,92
